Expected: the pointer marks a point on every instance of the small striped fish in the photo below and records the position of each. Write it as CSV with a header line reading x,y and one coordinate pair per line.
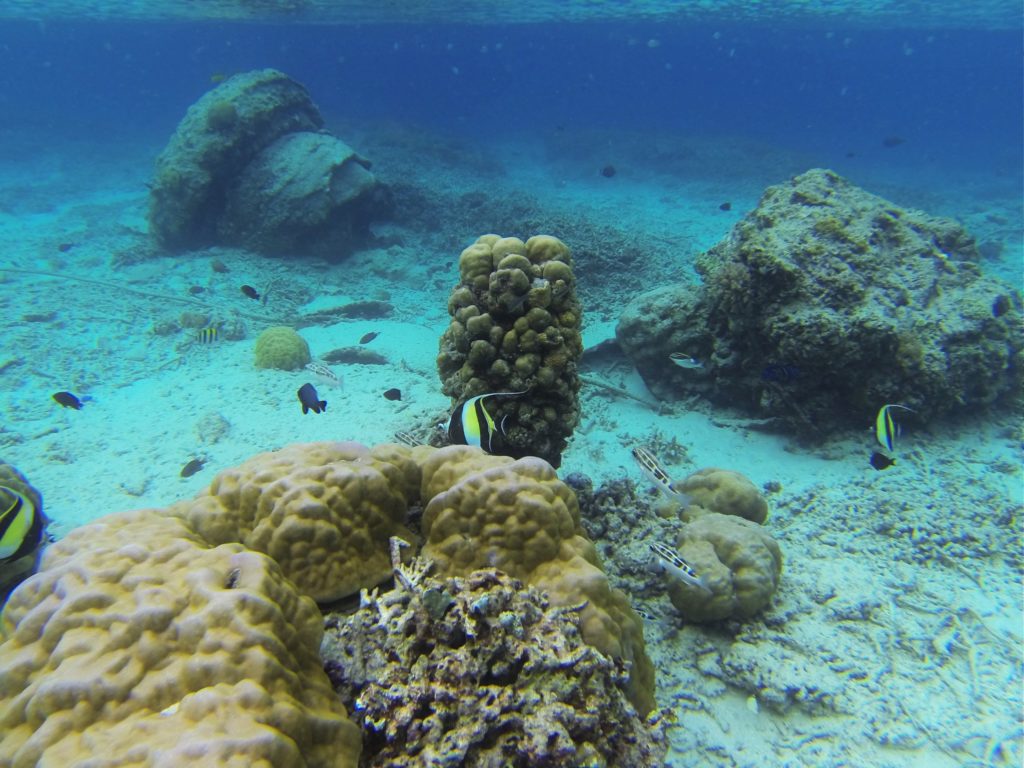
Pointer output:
x,y
323,372
654,470
667,560
207,335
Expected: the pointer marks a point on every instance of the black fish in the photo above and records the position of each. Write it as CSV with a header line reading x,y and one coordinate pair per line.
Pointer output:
x,y
393,394
893,141
780,372
880,461
65,247
192,467
67,400
608,171
311,400
726,206
366,338
251,292
195,290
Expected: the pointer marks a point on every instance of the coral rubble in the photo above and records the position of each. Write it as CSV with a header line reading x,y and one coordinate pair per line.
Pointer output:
x,y
481,671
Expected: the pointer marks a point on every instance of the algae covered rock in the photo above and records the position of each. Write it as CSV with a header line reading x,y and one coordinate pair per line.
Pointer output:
x,y
250,165
826,302
282,348
481,670
516,328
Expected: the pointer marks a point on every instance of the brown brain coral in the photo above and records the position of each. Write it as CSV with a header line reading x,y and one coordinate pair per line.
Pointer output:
x,y
740,563
725,492
324,511
140,644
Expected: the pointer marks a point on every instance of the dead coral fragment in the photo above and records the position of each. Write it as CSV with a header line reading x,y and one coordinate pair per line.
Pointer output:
x,y
481,671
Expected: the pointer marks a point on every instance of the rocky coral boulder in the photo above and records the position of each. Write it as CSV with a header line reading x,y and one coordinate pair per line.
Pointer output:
x,y
826,302
249,165
481,671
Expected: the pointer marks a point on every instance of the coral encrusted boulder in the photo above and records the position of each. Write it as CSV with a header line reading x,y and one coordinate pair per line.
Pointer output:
x,y
250,165
826,302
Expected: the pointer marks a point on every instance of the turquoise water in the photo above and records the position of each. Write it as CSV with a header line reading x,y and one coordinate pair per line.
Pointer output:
x,y
639,132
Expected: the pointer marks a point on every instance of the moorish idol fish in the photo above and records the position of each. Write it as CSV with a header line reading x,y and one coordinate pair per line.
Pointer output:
x,y
471,424
887,430
21,525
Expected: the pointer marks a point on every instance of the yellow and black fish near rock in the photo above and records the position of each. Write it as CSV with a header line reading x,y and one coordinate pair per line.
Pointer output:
x,y
22,528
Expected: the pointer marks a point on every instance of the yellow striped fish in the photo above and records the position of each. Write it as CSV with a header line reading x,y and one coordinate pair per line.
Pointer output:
x,y
471,424
886,429
207,335
21,525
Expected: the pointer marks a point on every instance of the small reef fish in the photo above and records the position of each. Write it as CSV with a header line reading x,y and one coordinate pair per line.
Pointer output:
x,y
219,266
393,394
65,247
251,292
887,430
207,335
324,373
21,525
658,475
195,290
366,338
685,361
608,171
726,206
311,400
192,467
471,424
218,77
408,439
667,560
880,461
67,400
780,372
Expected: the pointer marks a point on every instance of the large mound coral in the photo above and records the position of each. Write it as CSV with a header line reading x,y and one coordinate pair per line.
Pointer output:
x,y
140,644
516,328
826,302
324,511
481,671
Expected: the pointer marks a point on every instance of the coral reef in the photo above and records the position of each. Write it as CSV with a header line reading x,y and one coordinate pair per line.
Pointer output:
x,y
725,492
324,511
516,328
140,644
282,348
825,302
14,569
481,671
739,562
249,165
490,511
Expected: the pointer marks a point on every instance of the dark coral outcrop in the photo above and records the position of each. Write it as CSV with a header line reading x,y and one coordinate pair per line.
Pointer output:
x,y
826,302
249,165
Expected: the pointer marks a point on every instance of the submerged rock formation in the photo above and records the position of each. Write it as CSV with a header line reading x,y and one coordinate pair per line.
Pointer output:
x,y
826,302
250,165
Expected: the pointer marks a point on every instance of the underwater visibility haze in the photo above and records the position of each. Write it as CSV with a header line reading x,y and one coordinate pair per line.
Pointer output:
x,y
541,383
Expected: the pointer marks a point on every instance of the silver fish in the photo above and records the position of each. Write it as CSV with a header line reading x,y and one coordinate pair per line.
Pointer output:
x,y
323,372
658,475
667,560
685,361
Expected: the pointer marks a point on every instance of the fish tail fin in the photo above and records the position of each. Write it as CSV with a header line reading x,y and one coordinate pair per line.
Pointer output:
x,y
323,405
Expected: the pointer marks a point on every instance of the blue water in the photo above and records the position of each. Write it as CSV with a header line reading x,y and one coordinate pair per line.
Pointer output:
x,y
954,96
